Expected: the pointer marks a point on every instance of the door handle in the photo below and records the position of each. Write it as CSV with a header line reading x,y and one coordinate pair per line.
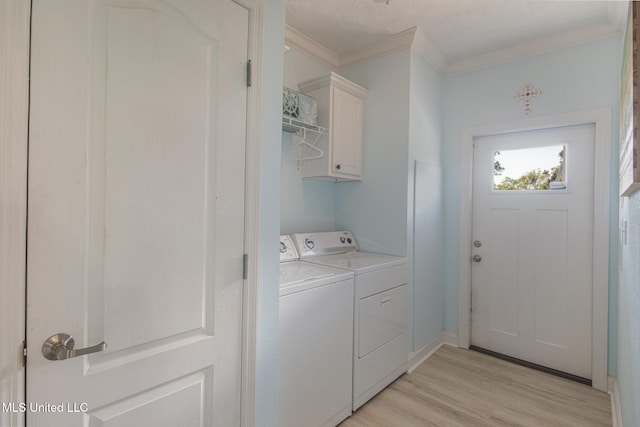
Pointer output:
x,y
60,347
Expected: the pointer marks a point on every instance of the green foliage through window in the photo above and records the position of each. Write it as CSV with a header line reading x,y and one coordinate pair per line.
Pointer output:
x,y
535,179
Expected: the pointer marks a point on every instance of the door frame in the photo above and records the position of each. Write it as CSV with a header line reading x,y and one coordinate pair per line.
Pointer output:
x,y
14,112
601,118
14,118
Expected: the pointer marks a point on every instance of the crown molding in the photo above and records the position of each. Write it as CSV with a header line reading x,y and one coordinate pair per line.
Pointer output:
x,y
429,52
415,39
535,47
394,43
303,43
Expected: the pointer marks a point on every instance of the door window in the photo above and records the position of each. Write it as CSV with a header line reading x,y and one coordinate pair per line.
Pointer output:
x,y
530,169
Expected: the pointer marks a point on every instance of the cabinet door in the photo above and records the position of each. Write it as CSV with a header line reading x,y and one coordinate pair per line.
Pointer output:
x,y
346,134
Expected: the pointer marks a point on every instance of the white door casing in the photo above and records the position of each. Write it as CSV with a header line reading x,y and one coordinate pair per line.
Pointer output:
x,y
136,210
14,107
532,281
602,120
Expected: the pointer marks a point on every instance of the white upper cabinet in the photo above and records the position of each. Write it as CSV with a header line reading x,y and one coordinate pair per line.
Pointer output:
x,y
341,109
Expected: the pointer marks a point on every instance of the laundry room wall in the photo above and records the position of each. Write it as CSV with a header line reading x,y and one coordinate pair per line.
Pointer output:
x,y
628,332
266,362
629,315
571,79
397,208
305,204
400,194
424,204
375,209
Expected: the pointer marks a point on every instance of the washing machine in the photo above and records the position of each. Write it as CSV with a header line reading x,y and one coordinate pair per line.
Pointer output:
x,y
381,307
316,341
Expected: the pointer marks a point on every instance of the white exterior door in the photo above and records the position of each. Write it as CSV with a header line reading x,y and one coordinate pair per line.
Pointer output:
x,y
136,211
532,276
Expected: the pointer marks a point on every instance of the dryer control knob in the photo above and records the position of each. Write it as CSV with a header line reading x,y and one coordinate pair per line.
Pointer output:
x,y
309,243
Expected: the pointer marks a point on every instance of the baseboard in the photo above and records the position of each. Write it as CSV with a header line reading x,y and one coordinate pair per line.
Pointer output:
x,y
614,393
450,338
423,353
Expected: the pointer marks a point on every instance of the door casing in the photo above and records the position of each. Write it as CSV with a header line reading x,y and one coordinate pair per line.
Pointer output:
x,y
14,113
601,118
14,108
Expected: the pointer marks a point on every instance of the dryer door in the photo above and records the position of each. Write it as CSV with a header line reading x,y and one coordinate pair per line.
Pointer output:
x,y
383,317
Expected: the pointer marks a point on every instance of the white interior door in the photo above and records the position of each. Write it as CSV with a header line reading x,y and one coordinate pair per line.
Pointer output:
x,y
136,211
532,276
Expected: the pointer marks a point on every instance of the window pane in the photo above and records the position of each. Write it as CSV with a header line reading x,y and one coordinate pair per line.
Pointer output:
x,y
540,168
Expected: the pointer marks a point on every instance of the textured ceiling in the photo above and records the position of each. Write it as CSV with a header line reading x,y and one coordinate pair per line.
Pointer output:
x,y
459,29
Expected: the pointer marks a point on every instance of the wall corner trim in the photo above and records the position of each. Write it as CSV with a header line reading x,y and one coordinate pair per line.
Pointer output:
x,y
616,410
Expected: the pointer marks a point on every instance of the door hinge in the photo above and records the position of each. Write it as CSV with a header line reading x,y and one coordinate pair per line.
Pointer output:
x,y
245,267
249,74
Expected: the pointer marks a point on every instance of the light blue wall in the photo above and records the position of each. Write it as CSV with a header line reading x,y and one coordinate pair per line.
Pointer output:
x,y
306,205
414,114
375,209
403,120
400,194
629,314
268,263
571,79
628,320
424,204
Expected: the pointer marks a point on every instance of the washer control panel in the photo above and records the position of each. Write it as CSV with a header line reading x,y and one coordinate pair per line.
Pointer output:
x,y
287,249
324,243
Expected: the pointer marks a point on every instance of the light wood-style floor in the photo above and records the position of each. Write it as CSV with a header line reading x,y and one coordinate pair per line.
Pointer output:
x,y
457,387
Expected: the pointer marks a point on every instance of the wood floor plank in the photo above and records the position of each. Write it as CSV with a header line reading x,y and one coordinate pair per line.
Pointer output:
x,y
457,387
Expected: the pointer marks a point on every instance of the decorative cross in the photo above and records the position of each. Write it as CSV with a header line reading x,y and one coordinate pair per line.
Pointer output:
x,y
528,92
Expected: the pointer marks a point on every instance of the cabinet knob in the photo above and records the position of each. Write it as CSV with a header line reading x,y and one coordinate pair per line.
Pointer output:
x,y
337,167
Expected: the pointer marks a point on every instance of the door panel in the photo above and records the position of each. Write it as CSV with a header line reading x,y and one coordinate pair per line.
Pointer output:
x,y
532,285
136,210
184,393
550,277
156,169
504,254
